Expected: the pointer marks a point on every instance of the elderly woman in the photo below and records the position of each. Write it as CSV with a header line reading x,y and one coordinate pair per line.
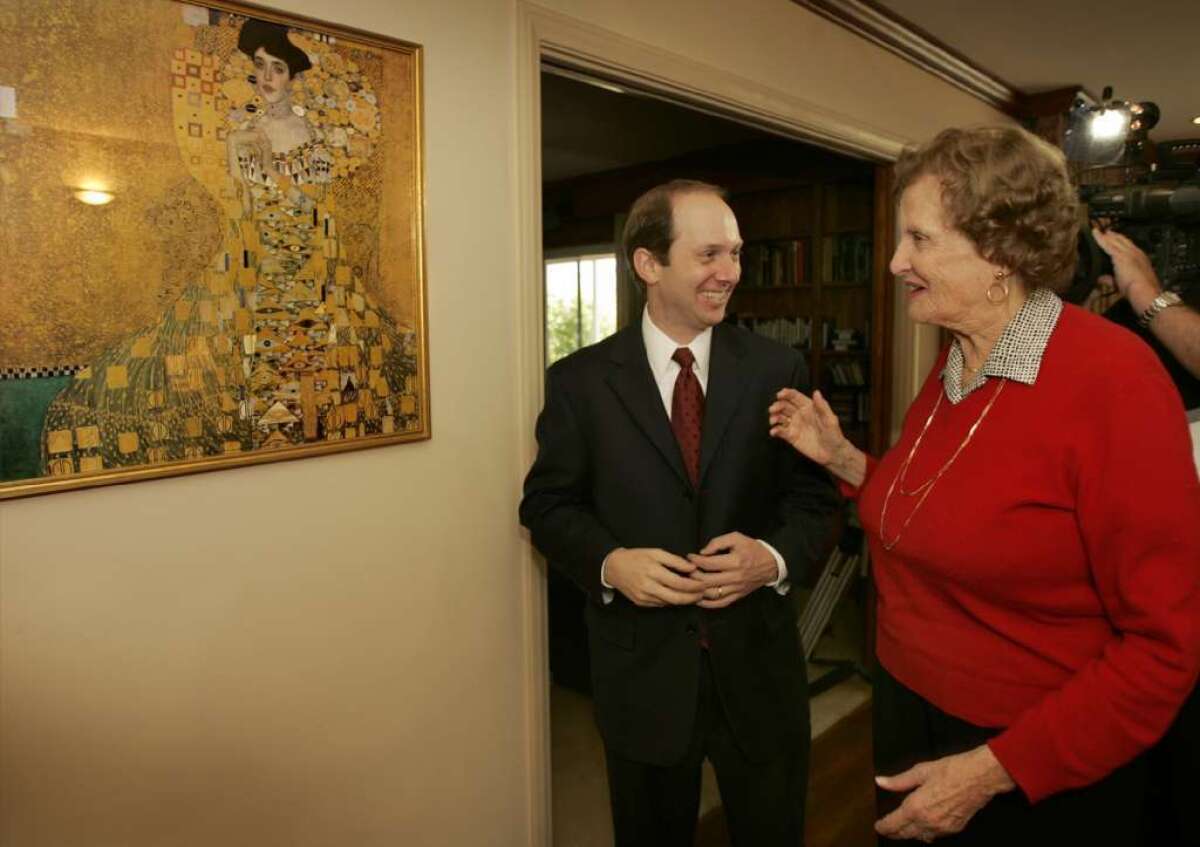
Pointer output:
x,y
1035,531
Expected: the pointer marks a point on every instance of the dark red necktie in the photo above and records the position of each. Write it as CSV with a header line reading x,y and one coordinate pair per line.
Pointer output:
x,y
687,413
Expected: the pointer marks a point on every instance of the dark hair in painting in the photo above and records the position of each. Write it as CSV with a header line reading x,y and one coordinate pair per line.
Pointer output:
x,y
274,39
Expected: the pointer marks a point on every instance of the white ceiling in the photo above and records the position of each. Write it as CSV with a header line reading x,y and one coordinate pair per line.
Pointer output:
x,y
1145,49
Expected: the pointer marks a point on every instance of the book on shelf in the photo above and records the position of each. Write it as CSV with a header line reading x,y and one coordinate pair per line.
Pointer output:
x,y
852,407
849,374
862,258
778,271
842,339
846,257
774,264
794,332
846,406
795,263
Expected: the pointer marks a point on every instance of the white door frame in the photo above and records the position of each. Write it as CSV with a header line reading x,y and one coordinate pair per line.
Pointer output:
x,y
543,34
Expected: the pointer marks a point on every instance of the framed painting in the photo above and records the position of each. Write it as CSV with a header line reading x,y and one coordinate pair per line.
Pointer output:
x,y
211,242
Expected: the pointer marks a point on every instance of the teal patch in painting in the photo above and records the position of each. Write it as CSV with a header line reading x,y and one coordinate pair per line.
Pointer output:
x,y
23,405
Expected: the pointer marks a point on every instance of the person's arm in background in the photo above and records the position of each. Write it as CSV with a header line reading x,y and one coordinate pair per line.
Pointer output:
x,y
1177,327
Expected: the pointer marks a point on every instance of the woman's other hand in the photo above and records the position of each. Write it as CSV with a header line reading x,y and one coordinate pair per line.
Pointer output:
x,y
945,794
809,425
812,428
249,150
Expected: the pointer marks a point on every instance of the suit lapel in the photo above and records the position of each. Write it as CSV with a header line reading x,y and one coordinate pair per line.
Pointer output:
x,y
726,383
633,383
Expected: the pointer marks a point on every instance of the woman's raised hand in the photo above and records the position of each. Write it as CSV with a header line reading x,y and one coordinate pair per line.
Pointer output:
x,y
809,425
249,154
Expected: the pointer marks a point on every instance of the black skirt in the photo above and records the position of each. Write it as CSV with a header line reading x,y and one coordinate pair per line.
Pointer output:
x,y
909,729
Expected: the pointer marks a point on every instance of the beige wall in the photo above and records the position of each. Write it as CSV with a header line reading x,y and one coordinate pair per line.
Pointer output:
x,y
331,651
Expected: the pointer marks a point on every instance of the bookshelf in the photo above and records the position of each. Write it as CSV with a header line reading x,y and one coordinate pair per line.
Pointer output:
x,y
837,309
809,267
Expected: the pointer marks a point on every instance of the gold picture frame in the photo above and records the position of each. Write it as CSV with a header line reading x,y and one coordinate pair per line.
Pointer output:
x,y
211,241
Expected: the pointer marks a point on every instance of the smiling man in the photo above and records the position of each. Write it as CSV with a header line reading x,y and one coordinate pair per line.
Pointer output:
x,y
658,489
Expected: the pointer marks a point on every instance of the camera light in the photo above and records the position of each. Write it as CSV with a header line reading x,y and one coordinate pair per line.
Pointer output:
x,y
1108,124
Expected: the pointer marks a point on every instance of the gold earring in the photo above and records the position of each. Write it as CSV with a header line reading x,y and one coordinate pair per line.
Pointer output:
x,y
1003,286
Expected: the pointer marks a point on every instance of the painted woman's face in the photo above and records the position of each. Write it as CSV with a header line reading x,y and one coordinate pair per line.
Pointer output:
x,y
271,76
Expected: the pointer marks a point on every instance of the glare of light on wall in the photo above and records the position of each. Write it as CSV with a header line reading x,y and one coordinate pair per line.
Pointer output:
x,y
1196,120
94,197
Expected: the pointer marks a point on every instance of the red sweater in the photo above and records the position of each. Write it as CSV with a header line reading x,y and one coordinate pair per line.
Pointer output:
x,y
1050,582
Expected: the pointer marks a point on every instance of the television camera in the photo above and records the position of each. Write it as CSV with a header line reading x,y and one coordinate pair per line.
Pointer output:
x,y
1151,193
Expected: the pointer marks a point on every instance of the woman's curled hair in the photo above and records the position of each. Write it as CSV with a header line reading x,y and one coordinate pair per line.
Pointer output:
x,y
1010,193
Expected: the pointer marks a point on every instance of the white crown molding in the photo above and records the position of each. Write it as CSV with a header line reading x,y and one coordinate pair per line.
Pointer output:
x,y
909,42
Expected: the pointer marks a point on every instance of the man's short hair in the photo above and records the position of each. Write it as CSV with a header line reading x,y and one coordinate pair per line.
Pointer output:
x,y
651,221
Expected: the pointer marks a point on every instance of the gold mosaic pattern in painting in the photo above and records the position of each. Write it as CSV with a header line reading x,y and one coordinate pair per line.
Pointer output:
x,y
278,341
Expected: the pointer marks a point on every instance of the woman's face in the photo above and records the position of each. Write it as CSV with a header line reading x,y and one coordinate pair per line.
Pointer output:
x,y
271,76
945,278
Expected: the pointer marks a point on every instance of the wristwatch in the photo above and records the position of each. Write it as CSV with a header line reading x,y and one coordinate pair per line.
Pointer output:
x,y
1163,301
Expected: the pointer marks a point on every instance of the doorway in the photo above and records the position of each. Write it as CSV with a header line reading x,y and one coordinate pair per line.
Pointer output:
x,y
810,267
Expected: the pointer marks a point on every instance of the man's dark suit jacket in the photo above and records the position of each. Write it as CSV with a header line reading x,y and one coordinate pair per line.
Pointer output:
x,y
609,474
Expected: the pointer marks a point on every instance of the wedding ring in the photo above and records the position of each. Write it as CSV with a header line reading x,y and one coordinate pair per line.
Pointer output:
x,y
720,591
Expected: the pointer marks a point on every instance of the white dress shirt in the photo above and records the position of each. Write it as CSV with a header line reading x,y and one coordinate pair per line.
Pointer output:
x,y
660,349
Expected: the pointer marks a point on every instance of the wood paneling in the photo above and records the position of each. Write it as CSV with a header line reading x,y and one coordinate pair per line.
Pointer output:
x,y
841,790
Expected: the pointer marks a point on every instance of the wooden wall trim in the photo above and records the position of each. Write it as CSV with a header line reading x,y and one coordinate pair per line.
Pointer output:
x,y
883,290
531,369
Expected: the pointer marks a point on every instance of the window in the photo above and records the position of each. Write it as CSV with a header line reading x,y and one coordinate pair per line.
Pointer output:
x,y
581,302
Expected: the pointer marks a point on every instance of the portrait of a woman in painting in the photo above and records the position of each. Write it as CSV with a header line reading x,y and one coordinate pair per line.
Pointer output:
x,y
278,341
279,130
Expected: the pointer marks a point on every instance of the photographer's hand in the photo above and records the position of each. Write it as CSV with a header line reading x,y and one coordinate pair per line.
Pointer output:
x,y
1178,328
1134,274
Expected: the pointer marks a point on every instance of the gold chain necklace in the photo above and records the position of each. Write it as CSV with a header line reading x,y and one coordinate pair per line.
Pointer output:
x,y
924,488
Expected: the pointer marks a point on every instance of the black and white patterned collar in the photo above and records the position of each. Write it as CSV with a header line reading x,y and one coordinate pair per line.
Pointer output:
x,y
1018,352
